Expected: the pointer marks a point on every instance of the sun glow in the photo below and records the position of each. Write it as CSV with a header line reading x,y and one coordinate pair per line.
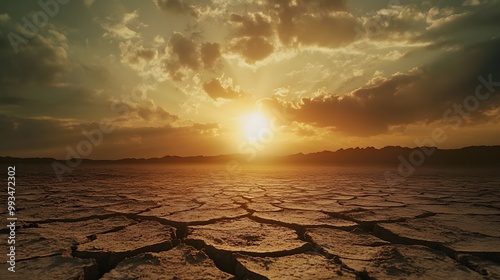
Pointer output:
x,y
254,124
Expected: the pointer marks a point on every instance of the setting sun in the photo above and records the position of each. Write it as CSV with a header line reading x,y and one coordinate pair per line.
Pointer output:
x,y
255,124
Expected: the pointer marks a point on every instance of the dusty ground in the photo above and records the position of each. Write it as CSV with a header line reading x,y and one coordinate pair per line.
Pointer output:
x,y
121,223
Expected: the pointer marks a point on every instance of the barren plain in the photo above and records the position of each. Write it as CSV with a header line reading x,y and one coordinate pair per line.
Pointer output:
x,y
196,222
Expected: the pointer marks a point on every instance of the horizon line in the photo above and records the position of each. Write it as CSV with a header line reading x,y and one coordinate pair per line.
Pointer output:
x,y
262,156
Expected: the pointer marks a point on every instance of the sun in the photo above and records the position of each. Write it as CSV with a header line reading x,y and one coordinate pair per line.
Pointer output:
x,y
254,125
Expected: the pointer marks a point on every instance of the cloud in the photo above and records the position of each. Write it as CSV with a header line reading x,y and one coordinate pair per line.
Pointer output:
x,y
448,25
216,90
250,36
395,22
207,128
319,23
252,48
145,110
420,95
40,61
210,53
316,23
55,136
319,6
135,55
187,54
471,3
88,3
331,30
12,101
254,24
120,29
304,52
4,17
176,6
323,5
142,53
58,101
438,25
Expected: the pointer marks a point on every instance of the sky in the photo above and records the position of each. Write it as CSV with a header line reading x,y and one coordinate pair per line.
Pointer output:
x,y
116,79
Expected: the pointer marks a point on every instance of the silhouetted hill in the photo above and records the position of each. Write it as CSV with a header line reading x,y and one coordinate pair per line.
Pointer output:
x,y
468,156
475,155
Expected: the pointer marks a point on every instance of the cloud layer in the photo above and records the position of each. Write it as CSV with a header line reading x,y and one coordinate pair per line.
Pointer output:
x,y
420,95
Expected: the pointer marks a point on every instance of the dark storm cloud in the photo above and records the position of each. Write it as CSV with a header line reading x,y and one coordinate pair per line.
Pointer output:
x,y
176,6
420,95
215,90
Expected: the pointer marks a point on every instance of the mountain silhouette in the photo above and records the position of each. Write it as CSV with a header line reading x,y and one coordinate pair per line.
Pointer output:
x,y
429,156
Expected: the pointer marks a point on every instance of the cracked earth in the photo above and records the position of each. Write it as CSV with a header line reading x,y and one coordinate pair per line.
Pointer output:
x,y
153,222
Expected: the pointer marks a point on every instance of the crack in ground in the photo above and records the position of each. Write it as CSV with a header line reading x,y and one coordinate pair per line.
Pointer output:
x,y
362,275
107,261
39,257
89,272
81,219
367,226
434,245
227,261
301,232
296,227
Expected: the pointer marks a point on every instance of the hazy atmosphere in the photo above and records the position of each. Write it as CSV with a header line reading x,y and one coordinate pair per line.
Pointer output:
x,y
151,78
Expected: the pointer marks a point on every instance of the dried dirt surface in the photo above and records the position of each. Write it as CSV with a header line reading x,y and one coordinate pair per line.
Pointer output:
x,y
125,222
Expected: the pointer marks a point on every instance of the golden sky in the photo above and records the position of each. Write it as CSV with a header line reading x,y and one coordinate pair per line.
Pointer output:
x,y
223,77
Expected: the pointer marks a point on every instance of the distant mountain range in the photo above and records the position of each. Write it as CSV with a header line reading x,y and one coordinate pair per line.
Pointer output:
x,y
467,156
